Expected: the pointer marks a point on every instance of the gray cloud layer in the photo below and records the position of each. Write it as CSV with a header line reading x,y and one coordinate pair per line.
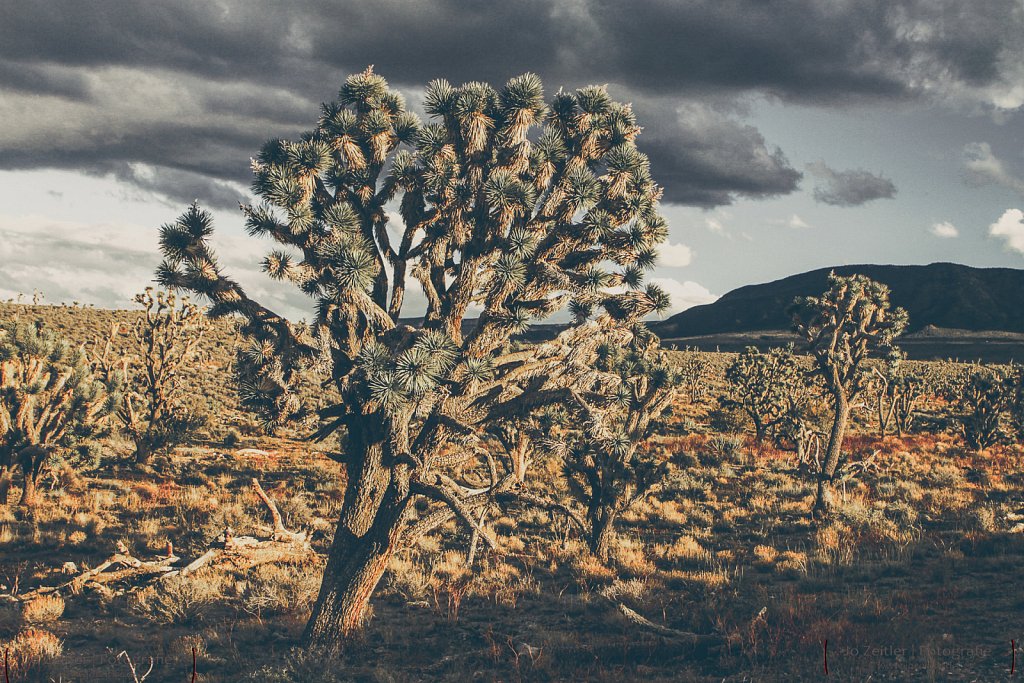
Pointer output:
x,y
192,89
849,188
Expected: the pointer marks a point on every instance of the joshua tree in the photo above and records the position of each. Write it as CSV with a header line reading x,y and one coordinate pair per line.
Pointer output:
x,y
694,371
50,404
601,444
896,392
491,221
759,384
1016,400
800,426
841,327
981,401
154,412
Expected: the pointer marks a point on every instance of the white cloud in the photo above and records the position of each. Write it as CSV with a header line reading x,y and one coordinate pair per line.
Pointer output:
x,y
794,222
984,168
945,230
674,255
107,263
715,225
1010,227
684,294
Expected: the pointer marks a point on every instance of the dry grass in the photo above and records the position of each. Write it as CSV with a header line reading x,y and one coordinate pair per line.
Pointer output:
x,y
730,534
31,652
42,610
180,600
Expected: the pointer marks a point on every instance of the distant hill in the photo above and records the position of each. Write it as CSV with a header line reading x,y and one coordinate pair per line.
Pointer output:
x,y
939,295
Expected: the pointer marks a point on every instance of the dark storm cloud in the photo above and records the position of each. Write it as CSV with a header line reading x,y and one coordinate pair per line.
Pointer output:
x,y
704,157
41,79
809,50
849,188
197,87
461,40
223,39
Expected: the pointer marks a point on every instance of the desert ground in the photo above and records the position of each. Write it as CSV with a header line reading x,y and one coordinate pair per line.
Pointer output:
x,y
718,574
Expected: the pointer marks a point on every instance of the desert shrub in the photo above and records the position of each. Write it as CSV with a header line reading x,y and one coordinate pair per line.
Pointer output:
x,y
684,460
684,484
833,544
981,518
187,644
450,567
408,578
724,448
634,589
630,557
903,515
44,609
31,653
233,515
946,476
765,555
791,563
589,571
295,510
178,600
727,419
277,589
686,551
303,666
232,438
686,425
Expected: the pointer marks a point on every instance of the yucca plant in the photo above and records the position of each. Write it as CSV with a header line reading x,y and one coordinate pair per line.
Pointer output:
x,y
602,444
502,207
51,404
896,391
155,411
841,327
803,420
760,383
982,403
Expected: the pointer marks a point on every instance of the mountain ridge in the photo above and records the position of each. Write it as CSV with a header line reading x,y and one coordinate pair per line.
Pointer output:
x,y
943,295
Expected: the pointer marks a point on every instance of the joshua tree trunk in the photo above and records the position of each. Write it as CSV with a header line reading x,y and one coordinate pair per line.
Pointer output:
x,y
32,459
602,530
354,568
760,429
368,533
28,491
6,477
143,453
823,500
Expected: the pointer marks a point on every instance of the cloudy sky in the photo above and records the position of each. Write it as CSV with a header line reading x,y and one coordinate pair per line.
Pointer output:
x,y
788,134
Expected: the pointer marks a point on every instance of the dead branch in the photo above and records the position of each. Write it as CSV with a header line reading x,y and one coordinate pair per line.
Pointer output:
x,y
122,573
280,533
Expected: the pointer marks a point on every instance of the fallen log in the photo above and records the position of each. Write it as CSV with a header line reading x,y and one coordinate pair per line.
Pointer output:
x,y
122,572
